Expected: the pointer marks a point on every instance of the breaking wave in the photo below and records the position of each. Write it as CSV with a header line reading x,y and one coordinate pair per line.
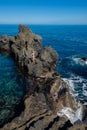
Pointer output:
x,y
74,73
78,88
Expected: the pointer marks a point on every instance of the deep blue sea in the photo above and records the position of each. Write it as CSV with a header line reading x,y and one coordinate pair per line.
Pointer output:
x,y
70,41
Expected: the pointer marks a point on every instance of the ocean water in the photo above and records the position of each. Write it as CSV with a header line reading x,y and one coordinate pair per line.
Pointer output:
x,y
12,83
71,44
70,41
11,90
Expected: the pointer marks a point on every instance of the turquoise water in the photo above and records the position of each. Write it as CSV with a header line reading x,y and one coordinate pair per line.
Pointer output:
x,y
11,89
69,41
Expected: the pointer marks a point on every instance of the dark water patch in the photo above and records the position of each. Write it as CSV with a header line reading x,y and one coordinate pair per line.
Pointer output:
x,y
10,30
12,90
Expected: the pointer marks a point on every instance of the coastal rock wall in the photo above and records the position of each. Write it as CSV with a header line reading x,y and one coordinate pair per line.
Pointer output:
x,y
42,108
27,50
46,93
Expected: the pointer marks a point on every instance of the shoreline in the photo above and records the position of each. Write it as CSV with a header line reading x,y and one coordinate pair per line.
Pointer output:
x,y
47,95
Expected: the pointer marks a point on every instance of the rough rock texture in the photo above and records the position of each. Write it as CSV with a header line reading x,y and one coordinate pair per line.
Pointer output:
x,y
27,50
41,108
46,92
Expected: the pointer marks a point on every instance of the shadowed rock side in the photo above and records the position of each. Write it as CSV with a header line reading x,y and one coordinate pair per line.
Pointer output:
x,y
46,93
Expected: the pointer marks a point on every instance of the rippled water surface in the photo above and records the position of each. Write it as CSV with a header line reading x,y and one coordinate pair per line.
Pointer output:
x,y
11,89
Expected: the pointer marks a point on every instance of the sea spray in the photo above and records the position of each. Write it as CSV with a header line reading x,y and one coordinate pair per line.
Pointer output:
x,y
78,87
72,115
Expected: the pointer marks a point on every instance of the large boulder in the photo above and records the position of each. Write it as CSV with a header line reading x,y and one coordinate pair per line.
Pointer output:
x,y
4,44
48,55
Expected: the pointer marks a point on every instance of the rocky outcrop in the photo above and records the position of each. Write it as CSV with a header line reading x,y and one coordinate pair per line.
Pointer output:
x,y
4,41
46,93
84,59
42,105
81,60
27,50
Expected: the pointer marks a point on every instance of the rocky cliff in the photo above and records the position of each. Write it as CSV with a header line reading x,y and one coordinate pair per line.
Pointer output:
x,y
48,103
27,50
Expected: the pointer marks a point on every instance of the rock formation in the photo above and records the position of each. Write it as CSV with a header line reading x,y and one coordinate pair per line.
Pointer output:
x,y
84,59
46,93
28,52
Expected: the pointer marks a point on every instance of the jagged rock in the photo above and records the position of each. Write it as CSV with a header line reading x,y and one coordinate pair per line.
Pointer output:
x,y
79,127
41,109
85,114
84,59
4,44
35,108
48,55
28,52
46,92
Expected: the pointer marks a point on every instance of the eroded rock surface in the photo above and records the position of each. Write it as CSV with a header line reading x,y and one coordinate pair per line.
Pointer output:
x,y
46,93
41,108
27,50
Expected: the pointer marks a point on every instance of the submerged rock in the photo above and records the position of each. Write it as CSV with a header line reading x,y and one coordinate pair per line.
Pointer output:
x,y
84,60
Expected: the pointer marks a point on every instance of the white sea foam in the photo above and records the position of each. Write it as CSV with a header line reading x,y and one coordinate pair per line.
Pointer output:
x,y
73,116
70,82
85,103
79,61
78,92
84,86
76,60
86,62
